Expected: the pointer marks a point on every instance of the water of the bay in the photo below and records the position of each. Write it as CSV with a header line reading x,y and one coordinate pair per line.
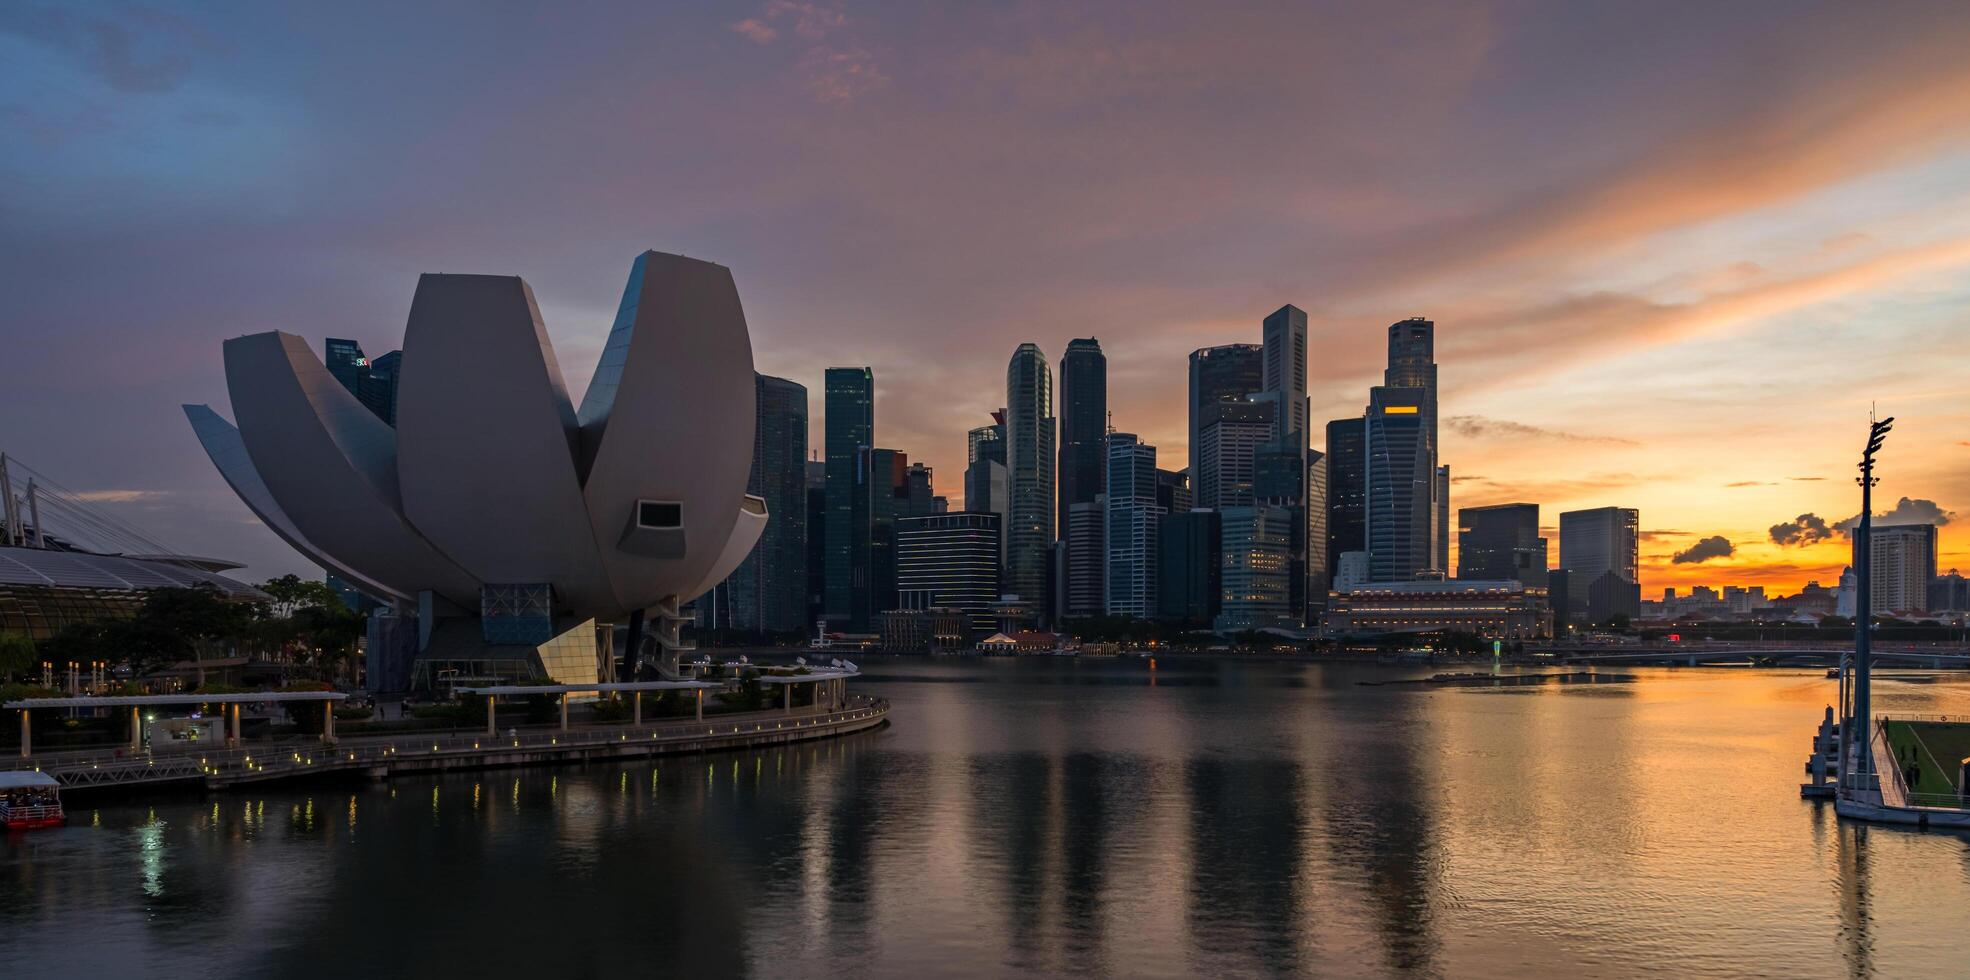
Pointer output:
x,y
1043,817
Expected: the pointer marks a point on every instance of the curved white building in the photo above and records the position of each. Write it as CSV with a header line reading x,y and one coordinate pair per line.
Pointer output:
x,y
509,524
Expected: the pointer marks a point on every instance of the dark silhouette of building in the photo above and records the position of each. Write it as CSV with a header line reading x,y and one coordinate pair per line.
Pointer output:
x,y
1347,490
1187,580
1594,543
850,427
1501,542
1083,425
768,591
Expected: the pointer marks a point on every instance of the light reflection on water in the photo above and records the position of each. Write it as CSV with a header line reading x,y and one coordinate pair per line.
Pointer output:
x,y
1042,818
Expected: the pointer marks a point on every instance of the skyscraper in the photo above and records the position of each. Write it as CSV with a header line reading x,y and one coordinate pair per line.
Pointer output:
x,y
1319,574
379,387
850,426
1082,581
1399,480
922,496
954,558
986,486
1083,423
768,591
1227,453
1279,473
1412,364
1284,370
1253,568
817,551
1501,542
1133,518
1173,491
345,361
884,493
1029,468
1903,567
1219,374
1602,544
1188,576
1347,490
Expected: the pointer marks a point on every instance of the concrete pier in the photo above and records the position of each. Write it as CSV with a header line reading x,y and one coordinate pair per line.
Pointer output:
x,y
382,757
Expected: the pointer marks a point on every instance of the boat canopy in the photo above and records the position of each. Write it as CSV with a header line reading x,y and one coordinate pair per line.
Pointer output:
x,y
25,778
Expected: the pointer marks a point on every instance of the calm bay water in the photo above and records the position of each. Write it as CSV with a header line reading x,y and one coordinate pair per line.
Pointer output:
x,y
1040,818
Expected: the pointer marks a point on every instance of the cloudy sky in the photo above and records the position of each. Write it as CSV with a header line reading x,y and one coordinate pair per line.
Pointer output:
x,y
1674,251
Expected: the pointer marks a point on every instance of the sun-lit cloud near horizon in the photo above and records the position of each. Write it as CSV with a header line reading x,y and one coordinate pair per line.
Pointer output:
x,y
1675,254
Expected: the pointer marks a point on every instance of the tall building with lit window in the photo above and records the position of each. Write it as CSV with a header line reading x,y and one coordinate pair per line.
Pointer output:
x,y
1399,501
1412,364
1254,569
346,363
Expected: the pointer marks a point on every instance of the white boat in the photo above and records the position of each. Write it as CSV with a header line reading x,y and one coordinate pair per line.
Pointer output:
x,y
30,800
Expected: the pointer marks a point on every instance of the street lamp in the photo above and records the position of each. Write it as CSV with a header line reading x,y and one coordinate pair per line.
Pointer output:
x,y
1862,728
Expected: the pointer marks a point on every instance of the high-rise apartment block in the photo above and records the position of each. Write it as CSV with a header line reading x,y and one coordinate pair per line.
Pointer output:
x,y
1903,566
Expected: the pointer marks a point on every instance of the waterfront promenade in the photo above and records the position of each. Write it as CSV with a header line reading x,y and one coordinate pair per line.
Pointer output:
x,y
385,756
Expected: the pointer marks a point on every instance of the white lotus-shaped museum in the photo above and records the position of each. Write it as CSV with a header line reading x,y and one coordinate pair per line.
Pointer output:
x,y
492,478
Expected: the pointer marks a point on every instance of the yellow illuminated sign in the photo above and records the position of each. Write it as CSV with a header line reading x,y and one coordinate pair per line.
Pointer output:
x,y
1399,410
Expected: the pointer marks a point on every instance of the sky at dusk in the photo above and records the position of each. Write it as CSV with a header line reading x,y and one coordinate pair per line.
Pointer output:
x,y
1673,251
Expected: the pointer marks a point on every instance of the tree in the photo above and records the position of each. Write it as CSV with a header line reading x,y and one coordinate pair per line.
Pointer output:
x,y
188,622
16,655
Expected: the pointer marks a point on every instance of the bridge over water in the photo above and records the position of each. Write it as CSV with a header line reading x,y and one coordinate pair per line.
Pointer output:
x,y
1937,656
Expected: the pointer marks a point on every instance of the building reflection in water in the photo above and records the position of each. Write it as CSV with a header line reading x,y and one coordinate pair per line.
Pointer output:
x,y
1376,797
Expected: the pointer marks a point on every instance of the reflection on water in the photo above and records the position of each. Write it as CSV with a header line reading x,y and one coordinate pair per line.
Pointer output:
x,y
1044,818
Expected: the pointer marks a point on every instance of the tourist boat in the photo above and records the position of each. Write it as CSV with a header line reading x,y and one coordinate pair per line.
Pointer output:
x,y
30,801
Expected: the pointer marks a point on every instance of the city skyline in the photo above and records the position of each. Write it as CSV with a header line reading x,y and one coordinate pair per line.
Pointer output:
x,y
1753,271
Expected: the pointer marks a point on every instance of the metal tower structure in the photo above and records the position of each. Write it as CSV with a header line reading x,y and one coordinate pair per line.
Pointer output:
x,y
1860,727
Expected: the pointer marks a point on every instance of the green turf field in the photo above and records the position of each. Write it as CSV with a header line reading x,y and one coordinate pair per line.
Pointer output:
x,y
1939,748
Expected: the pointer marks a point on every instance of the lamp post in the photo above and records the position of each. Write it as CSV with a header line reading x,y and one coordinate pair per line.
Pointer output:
x,y
1862,740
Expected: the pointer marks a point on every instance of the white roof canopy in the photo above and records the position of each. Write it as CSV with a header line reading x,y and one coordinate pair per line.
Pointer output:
x,y
160,700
